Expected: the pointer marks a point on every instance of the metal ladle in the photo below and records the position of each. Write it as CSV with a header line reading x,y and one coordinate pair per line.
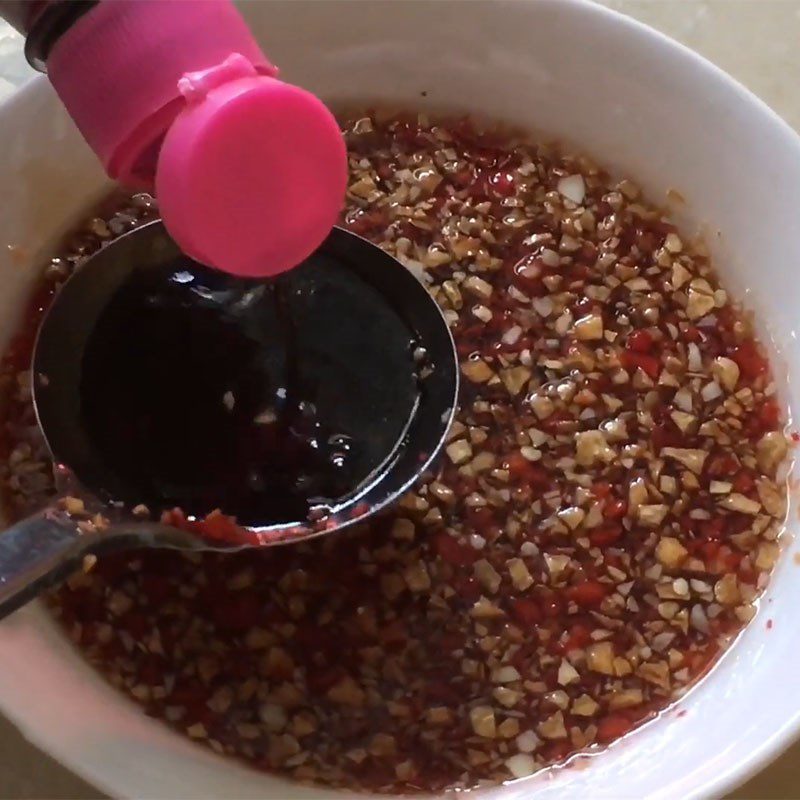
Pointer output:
x,y
351,304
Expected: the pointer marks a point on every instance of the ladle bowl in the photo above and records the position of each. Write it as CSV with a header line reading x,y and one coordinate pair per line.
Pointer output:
x,y
389,325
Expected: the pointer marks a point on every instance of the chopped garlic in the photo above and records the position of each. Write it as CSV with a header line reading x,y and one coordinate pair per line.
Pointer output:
x,y
572,187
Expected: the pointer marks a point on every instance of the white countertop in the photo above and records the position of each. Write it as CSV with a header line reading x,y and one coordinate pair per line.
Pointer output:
x,y
756,41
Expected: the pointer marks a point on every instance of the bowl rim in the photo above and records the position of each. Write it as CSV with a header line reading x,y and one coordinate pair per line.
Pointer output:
x,y
782,737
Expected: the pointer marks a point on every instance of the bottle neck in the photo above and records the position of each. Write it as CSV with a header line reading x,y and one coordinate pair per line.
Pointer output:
x,y
43,22
21,15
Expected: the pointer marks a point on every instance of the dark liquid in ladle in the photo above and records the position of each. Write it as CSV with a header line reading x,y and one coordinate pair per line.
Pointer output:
x,y
262,399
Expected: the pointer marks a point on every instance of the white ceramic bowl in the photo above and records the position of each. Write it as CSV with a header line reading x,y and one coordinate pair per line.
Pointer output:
x,y
639,103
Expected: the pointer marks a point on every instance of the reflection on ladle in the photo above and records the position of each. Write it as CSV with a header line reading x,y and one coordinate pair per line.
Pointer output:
x,y
319,453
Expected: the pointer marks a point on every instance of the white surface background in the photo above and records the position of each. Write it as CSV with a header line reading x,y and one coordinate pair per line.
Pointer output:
x,y
756,41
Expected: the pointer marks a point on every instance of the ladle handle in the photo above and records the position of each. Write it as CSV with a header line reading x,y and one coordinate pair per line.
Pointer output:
x,y
36,554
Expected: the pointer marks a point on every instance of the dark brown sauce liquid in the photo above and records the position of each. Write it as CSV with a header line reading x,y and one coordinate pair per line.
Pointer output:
x,y
262,399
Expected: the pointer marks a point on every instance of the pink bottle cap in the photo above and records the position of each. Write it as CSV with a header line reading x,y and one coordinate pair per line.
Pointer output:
x,y
252,172
249,171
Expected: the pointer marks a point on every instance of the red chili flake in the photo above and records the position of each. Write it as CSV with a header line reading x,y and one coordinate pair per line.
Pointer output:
x,y
692,334
360,509
502,184
712,529
631,360
747,575
525,611
479,518
640,341
615,509
723,559
612,727
385,171
579,637
769,414
744,483
750,361
769,624
220,527
762,419
552,605
588,594
605,535
454,552
601,489
721,465
176,518
522,470
710,549
557,751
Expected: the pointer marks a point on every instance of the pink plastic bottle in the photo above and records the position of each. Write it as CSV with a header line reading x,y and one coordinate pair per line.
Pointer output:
x,y
176,96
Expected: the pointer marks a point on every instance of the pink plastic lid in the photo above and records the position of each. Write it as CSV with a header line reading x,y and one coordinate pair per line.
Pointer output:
x,y
250,172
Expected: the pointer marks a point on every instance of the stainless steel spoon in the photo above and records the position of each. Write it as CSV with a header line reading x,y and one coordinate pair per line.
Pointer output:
x,y
405,416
